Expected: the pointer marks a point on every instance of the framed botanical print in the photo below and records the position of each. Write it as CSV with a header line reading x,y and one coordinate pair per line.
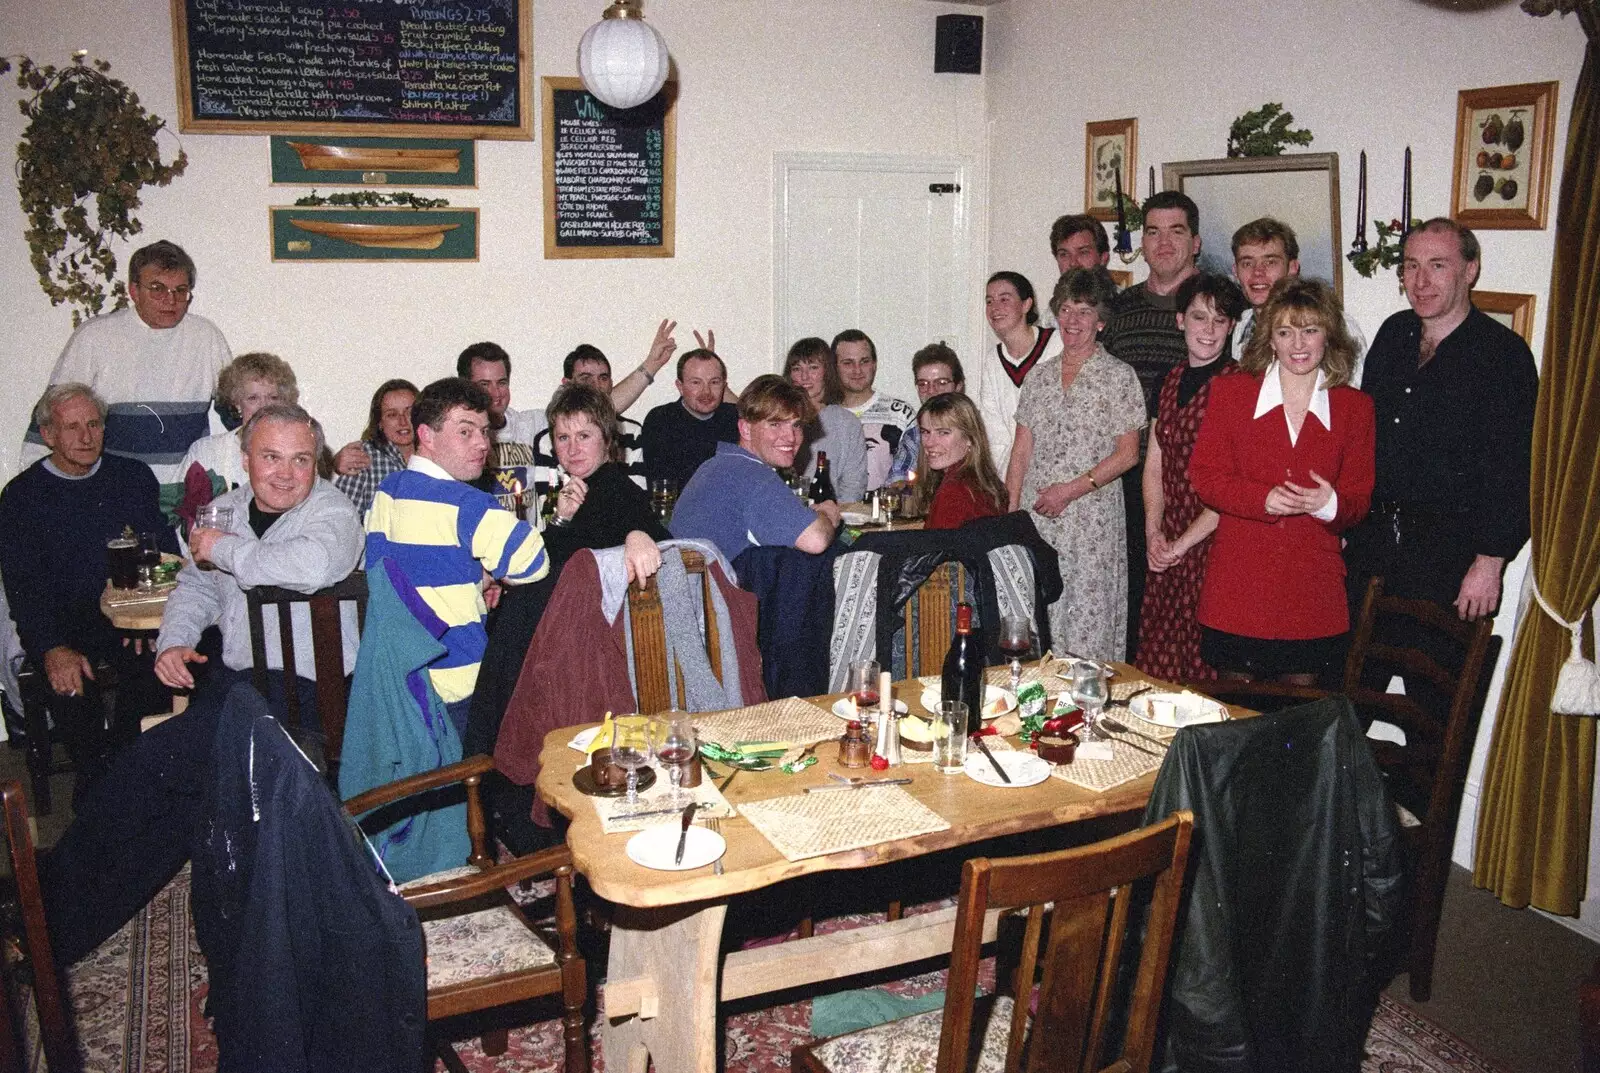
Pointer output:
x,y
1504,140
1109,147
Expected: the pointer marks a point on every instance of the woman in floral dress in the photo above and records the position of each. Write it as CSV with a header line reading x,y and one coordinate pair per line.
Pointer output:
x,y
1178,526
1078,423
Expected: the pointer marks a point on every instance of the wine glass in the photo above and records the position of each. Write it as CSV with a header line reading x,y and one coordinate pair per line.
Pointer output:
x,y
1089,693
863,686
631,746
675,749
1016,641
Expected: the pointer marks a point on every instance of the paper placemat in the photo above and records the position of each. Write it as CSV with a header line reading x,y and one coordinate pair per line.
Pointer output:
x,y
1126,763
790,719
617,815
813,825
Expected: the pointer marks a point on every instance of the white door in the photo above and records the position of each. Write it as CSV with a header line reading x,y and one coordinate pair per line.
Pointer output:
x,y
876,243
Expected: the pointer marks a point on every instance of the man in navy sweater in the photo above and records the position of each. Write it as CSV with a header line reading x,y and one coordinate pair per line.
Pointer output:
x,y
55,519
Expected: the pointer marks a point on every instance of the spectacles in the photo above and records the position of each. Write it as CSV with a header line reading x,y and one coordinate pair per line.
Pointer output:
x,y
161,292
944,383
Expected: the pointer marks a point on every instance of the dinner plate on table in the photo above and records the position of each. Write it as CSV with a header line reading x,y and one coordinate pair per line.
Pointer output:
x,y
654,847
855,518
842,709
1188,709
1025,768
997,701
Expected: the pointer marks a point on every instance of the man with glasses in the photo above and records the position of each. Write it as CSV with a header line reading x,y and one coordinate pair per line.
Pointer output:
x,y
154,364
938,371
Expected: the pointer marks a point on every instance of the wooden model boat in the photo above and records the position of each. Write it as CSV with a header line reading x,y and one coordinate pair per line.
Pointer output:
x,y
317,157
381,236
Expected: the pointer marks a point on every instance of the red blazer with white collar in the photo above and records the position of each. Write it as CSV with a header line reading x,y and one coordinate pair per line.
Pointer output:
x,y
1270,576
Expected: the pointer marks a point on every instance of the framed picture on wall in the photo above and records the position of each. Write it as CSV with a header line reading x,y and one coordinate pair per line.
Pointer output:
x,y
1300,189
1121,277
1504,140
1109,146
1515,311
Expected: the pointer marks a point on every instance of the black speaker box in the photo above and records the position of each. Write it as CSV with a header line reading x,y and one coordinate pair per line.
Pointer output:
x,y
958,44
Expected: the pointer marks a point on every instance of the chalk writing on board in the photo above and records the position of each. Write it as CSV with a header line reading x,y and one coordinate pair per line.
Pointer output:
x,y
609,173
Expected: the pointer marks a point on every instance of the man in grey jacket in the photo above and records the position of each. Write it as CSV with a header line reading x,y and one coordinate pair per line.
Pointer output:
x,y
289,528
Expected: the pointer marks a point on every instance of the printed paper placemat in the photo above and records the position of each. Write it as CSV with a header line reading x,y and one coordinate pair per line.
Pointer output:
x,y
790,719
813,825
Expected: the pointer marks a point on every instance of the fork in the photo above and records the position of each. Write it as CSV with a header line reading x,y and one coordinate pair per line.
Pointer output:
x,y
713,824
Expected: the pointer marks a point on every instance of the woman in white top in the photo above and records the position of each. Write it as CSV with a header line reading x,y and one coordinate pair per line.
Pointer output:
x,y
836,430
246,384
1012,311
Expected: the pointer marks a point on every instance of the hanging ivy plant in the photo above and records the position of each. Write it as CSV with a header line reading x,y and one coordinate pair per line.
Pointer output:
x,y
1265,132
373,199
87,137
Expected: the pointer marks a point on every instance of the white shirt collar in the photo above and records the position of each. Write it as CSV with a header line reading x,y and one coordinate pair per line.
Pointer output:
x,y
1270,397
428,466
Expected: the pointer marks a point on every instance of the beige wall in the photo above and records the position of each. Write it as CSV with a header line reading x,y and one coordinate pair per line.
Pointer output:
x,y
758,77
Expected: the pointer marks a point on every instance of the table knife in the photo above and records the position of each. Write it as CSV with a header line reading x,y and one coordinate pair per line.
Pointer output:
x,y
984,748
683,835
856,785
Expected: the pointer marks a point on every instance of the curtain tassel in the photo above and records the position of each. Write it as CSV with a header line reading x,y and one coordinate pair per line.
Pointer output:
x,y
1577,689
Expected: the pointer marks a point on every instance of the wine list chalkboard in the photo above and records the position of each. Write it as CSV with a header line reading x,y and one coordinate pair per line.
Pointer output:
x,y
609,187
428,67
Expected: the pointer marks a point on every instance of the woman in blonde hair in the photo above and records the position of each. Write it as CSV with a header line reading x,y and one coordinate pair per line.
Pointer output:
x,y
246,384
1285,457
956,478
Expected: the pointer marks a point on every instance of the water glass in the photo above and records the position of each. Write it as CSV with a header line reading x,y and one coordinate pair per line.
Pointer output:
x,y
1089,693
631,747
950,737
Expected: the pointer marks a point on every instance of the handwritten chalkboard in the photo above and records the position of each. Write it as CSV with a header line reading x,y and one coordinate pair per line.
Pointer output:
x,y
609,187
427,67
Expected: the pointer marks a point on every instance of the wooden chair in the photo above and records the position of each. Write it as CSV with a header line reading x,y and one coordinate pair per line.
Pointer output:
x,y
39,749
930,619
483,951
650,638
27,954
1089,928
327,647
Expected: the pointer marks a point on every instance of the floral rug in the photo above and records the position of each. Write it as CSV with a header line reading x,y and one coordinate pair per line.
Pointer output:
x,y
138,1002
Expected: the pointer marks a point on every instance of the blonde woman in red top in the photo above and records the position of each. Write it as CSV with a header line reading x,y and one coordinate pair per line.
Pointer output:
x,y
956,478
1285,457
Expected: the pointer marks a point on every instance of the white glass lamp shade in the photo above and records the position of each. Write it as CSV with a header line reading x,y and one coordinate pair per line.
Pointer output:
x,y
622,61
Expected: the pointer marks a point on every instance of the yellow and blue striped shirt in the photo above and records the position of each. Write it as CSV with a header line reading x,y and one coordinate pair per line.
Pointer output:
x,y
444,534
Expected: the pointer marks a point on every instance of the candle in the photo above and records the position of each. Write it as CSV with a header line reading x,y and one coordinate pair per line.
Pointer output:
x,y
1152,179
1361,205
1405,199
1124,243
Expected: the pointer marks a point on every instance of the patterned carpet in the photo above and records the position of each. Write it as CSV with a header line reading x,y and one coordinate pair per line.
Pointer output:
x,y
155,1025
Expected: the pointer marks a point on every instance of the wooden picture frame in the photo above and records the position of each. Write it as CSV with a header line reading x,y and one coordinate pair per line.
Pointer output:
x,y
337,233
1121,277
1300,189
1106,144
1505,139
320,160
1515,311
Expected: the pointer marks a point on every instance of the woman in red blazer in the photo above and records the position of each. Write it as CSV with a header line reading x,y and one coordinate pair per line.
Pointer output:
x,y
1285,456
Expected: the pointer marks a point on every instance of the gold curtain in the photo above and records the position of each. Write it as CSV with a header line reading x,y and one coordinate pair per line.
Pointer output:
x,y
1533,828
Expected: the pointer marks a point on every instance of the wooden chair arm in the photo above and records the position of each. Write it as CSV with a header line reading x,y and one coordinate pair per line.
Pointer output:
x,y
472,768
556,859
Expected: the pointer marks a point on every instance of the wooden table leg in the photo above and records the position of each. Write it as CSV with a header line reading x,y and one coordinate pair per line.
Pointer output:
x,y
672,955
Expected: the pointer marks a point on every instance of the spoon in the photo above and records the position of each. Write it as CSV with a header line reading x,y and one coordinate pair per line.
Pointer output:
x,y
1117,727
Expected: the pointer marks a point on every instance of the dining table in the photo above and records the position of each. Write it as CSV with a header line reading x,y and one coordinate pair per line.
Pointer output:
x,y
135,609
667,972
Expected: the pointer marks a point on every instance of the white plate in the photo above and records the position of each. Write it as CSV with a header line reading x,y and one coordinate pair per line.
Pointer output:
x,y
1008,701
854,517
654,847
841,708
1025,768
1188,709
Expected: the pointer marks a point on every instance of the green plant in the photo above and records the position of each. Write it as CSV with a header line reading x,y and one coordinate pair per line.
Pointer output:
x,y
1264,132
1386,253
372,199
87,137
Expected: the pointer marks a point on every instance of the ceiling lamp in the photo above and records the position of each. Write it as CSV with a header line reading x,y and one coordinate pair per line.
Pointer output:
x,y
622,60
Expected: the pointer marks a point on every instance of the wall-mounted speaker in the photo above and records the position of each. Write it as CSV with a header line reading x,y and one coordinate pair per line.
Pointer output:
x,y
958,44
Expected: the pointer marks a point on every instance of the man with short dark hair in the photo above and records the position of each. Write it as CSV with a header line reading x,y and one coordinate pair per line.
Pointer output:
x,y
1454,393
154,364
938,372
509,474
737,500
1079,241
1266,250
884,418
679,436
55,519
446,535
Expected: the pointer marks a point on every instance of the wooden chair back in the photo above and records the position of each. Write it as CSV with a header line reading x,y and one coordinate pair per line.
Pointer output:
x,y
930,619
1080,950
650,638
327,648
56,1034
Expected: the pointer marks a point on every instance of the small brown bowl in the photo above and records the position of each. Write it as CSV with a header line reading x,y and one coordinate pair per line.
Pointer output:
x,y
1057,748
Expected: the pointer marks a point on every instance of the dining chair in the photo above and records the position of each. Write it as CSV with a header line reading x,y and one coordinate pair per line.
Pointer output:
x,y
930,619
650,638
1090,908
483,950
326,646
31,986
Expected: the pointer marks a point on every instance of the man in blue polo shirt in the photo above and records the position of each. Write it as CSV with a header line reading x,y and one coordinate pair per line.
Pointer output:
x,y
737,500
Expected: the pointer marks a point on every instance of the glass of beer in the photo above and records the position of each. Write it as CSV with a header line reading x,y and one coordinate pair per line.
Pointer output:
x,y
122,557
213,516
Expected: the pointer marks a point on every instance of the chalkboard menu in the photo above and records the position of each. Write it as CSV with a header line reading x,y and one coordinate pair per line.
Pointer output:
x,y
429,67
609,187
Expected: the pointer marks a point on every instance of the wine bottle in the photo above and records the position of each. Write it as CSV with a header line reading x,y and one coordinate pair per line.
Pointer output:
x,y
963,669
821,483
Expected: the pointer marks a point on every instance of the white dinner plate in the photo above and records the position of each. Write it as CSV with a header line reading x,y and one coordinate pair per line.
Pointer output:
x,y
654,847
997,701
854,517
842,709
1025,768
1188,709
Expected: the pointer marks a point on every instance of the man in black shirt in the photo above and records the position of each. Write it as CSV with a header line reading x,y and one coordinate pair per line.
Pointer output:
x,y
678,436
1454,394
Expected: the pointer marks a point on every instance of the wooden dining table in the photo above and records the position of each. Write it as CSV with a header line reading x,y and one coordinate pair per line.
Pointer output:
x,y
667,972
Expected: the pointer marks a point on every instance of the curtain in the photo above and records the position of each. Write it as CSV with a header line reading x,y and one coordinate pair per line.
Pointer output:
x,y
1533,828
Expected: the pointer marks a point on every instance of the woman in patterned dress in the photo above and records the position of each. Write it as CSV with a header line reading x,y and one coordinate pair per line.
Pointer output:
x,y
1078,423
1178,526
